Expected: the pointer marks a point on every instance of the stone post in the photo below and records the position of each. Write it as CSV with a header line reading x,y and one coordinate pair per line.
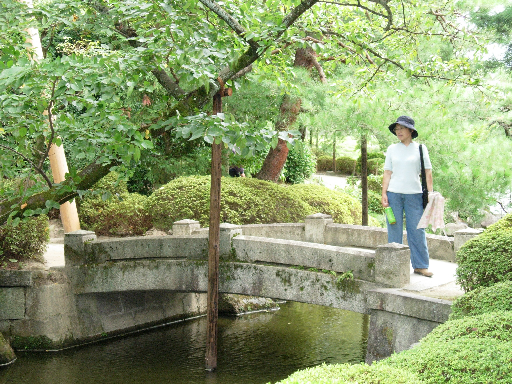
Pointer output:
x,y
463,235
227,232
392,265
315,227
185,227
74,246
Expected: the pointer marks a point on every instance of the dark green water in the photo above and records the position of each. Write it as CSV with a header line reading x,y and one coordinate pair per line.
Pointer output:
x,y
256,348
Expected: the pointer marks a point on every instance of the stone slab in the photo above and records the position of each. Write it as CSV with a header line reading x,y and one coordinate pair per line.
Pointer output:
x,y
15,278
309,255
409,304
12,303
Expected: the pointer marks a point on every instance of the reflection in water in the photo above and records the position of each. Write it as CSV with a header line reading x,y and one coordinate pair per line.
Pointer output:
x,y
256,348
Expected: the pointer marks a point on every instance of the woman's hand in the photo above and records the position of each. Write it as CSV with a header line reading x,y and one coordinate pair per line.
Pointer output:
x,y
385,184
385,202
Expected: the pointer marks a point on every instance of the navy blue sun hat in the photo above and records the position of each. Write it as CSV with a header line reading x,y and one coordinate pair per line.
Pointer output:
x,y
404,121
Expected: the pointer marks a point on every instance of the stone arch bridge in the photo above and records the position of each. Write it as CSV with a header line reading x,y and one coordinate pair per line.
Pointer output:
x,y
106,284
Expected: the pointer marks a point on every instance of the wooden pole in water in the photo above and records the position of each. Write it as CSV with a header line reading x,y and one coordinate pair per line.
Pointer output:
x,y
212,314
364,180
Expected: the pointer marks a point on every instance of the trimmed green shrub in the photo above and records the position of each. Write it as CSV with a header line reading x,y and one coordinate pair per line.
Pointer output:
x,y
497,297
460,361
109,210
496,325
369,157
243,201
476,349
486,259
26,241
342,207
123,215
99,196
345,165
300,164
356,373
111,183
324,163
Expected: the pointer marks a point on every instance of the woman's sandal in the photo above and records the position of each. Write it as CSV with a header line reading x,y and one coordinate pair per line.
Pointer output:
x,y
423,272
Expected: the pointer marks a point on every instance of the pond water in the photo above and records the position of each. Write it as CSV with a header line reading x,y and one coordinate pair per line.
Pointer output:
x,y
257,348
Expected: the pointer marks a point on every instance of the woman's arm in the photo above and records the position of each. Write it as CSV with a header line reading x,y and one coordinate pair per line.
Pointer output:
x,y
430,182
385,184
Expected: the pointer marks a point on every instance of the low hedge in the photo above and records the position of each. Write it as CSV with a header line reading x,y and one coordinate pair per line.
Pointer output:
x,y
345,165
460,361
324,163
347,373
496,325
504,223
475,349
109,210
343,208
497,297
371,162
486,259
123,215
26,241
243,201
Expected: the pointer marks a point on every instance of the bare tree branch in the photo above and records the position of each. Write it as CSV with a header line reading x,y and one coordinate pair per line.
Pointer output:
x,y
88,176
243,72
170,85
50,124
38,170
377,70
228,19
383,3
253,54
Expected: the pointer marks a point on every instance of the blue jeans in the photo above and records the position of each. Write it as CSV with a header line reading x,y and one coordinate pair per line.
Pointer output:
x,y
416,239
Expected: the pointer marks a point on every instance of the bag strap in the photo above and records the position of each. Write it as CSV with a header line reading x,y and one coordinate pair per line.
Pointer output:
x,y
423,175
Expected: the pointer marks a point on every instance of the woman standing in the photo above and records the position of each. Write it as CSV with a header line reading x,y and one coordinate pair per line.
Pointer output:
x,y
401,190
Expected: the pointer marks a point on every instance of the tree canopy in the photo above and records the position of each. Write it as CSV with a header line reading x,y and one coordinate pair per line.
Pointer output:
x,y
119,75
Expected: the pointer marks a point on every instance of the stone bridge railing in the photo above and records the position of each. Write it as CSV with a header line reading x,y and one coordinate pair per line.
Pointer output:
x,y
318,243
360,251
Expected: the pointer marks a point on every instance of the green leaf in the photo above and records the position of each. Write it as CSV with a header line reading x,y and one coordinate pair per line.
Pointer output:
x,y
51,204
196,134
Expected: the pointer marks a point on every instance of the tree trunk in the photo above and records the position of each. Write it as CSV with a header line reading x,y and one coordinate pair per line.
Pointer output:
x,y
306,57
334,153
276,157
364,180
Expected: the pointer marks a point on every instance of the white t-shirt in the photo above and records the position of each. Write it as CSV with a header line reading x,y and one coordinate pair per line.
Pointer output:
x,y
404,162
